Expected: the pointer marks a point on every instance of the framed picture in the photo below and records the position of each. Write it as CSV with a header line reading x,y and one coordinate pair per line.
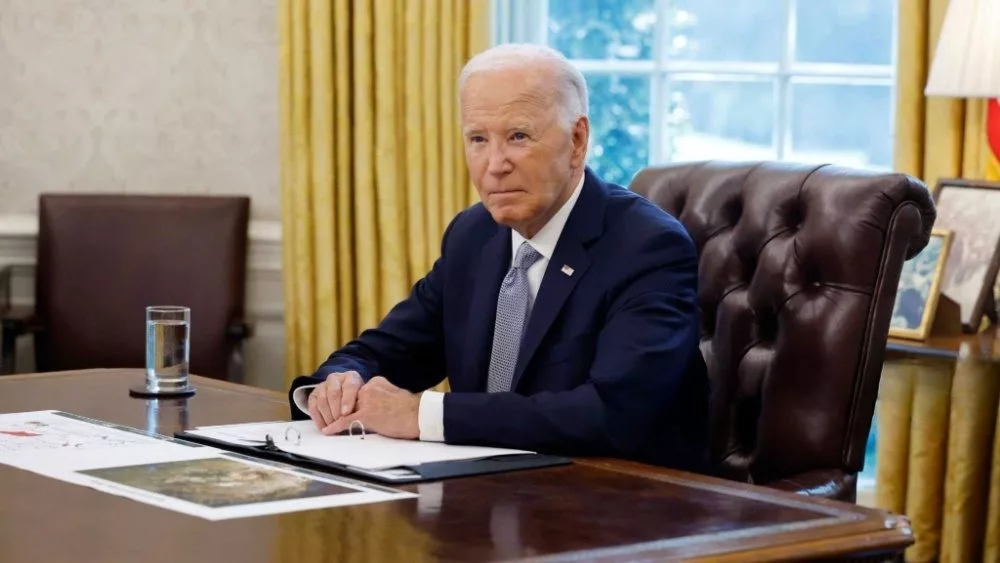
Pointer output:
x,y
971,210
919,288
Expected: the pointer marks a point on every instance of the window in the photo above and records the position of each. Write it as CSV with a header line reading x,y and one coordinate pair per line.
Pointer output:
x,y
679,80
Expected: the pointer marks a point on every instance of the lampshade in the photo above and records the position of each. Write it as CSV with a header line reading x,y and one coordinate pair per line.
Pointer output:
x,y
967,60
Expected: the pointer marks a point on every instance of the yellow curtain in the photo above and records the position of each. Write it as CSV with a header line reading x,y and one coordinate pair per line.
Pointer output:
x,y
936,418
935,137
938,458
912,425
372,167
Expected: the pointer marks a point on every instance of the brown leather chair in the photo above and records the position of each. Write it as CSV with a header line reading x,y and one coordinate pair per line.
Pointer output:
x,y
798,271
103,258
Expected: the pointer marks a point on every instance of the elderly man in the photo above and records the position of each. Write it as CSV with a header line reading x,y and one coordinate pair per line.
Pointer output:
x,y
563,310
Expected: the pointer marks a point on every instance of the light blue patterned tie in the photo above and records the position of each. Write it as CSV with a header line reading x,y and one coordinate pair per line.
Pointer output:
x,y
513,306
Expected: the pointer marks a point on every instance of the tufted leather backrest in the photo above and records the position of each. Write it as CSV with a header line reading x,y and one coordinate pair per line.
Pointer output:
x,y
798,267
102,259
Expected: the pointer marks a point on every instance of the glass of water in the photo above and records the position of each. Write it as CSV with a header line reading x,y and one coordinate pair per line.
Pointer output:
x,y
168,345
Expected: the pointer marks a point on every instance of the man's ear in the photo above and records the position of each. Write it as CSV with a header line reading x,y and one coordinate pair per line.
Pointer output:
x,y
581,136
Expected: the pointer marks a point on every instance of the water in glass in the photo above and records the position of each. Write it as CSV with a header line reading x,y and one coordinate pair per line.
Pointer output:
x,y
167,354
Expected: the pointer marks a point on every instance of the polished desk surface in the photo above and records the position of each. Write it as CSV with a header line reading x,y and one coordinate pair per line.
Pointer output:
x,y
981,346
592,510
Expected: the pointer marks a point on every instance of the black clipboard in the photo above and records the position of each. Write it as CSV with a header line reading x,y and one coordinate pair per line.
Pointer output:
x,y
406,473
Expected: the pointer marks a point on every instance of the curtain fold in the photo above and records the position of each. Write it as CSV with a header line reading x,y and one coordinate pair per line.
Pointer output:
x,y
991,551
372,169
974,398
938,457
914,398
894,411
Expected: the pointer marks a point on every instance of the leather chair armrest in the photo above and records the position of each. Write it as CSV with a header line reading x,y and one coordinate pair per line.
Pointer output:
x,y
240,329
14,322
21,320
826,483
5,287
6,282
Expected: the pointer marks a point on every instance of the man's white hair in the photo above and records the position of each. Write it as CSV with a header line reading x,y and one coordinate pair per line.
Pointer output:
x,y
570,84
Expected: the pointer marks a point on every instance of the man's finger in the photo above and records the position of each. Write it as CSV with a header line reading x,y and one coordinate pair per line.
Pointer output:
x,y
333,394
323,405
314,413
341,424
349,396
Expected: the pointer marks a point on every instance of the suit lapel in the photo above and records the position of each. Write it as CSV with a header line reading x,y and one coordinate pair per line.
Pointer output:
x,y
585,223
486,279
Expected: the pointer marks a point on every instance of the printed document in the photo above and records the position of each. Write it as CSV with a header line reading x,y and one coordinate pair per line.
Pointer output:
x,y
172,474
364,451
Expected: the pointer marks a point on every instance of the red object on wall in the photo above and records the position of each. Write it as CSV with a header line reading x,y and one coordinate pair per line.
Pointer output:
x,y
993,126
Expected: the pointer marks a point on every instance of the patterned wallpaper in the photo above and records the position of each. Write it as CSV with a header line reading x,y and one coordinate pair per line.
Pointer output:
x,y
138,96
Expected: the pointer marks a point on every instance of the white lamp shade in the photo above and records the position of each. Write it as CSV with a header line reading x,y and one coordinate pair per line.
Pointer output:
x,y
967,59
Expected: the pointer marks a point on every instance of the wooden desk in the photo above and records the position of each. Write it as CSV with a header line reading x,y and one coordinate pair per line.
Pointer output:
x,y
592,510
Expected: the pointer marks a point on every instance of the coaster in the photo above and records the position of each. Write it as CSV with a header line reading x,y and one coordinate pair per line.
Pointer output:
x,y
141,391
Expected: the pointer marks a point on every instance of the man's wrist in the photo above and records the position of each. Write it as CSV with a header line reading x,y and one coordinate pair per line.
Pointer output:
x,y
430,416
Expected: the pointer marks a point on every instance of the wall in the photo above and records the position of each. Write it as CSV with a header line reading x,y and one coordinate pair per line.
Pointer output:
x,y
150,96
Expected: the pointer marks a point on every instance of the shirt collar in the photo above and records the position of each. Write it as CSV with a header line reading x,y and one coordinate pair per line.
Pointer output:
x,y
545,239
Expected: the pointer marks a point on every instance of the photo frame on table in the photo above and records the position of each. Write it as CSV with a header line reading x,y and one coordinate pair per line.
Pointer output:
x,y
970,209
920,288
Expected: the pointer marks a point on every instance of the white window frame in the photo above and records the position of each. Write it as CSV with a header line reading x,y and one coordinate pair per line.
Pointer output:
x,y
527,21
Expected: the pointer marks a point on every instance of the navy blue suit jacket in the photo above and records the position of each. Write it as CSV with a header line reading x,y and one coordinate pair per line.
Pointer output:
x,y
609,364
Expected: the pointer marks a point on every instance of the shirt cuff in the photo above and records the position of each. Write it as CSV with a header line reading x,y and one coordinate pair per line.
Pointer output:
x,y
431,416
301,397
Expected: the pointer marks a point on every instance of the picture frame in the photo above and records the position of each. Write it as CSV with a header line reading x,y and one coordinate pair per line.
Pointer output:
x,y
919,289
970,209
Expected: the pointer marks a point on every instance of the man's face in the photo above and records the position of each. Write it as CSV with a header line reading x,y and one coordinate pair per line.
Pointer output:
x,y
523,160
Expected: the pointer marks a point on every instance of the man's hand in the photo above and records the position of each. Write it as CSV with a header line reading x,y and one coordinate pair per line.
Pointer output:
x,y
334,398
384,409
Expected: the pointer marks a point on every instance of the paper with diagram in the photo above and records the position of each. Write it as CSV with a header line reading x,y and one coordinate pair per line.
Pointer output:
x,y
46,431
172,474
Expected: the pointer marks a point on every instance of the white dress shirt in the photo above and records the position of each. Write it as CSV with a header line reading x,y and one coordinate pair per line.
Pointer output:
x,y
431,412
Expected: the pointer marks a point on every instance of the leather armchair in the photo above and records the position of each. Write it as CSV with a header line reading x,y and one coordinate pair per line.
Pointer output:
x,y
102,259
798,268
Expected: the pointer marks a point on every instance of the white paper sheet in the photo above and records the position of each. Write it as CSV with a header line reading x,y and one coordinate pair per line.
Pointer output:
x,y
195,480
369,452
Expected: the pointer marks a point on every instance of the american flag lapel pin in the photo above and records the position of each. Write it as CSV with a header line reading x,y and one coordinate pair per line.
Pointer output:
x,y
567,270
